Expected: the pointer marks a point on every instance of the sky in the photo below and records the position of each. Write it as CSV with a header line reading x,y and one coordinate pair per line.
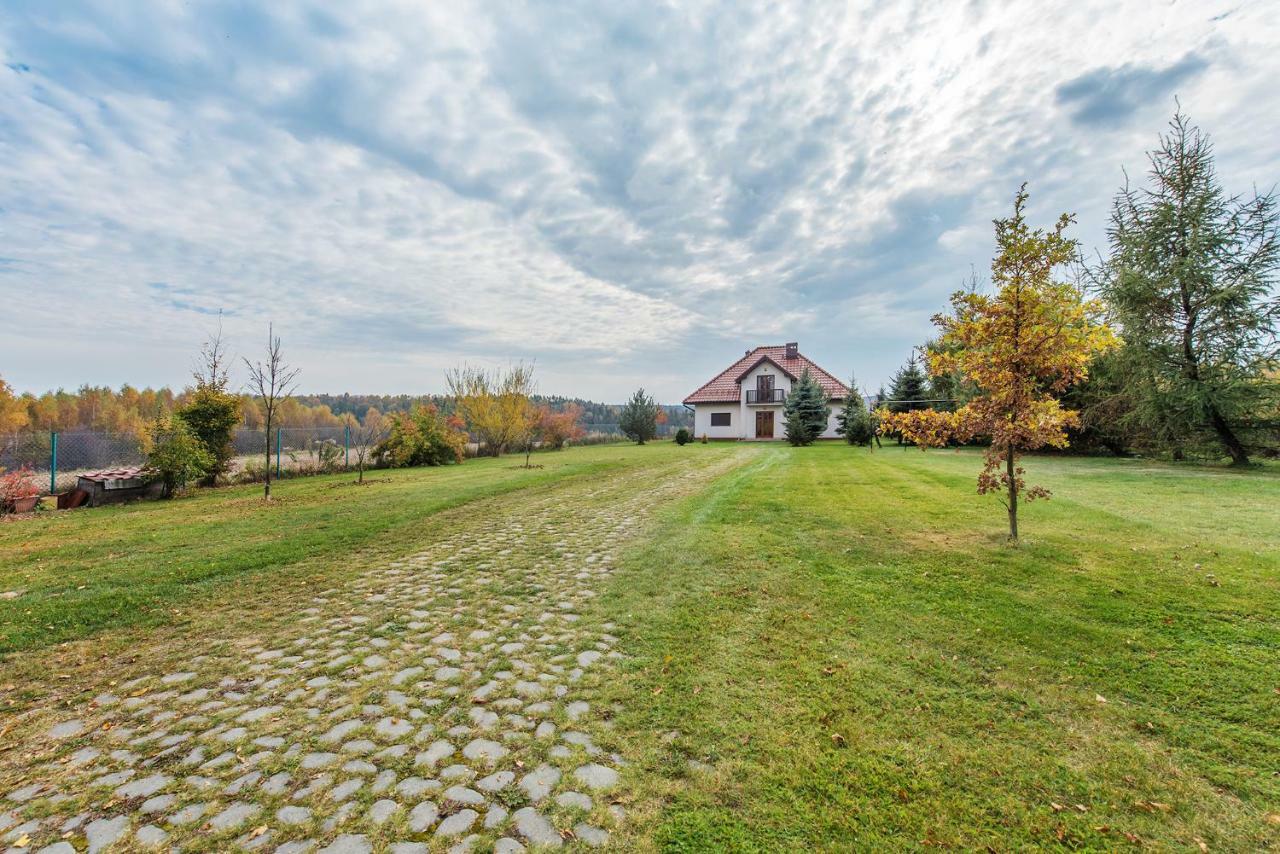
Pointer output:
x,y
627,194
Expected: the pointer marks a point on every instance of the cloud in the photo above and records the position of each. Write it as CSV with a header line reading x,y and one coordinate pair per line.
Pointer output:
x,y
1108,95
628,192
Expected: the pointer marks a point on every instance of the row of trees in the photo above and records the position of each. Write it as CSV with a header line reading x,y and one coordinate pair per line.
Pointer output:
x,y
131,411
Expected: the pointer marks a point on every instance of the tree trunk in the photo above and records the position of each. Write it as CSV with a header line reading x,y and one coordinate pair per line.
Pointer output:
x,y
1013,494
1239,457
266,490
360,478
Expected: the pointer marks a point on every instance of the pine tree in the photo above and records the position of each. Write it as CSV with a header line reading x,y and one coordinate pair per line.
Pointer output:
x,y
1191,278
805,413
638,420
854,422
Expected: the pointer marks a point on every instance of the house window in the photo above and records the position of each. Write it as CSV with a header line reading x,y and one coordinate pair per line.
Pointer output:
x,y
720,419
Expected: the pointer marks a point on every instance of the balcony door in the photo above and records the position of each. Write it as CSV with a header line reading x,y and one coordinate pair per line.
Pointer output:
x,y
764,424
764,388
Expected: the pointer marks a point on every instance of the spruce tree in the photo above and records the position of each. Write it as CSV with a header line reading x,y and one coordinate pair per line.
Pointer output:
x,y
909,388
638,420
854,422
806,411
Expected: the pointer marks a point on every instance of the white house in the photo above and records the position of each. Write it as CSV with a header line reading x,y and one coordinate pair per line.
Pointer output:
x,y
745,400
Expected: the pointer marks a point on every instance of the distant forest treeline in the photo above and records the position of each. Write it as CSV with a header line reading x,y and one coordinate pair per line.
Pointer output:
x,y
130,410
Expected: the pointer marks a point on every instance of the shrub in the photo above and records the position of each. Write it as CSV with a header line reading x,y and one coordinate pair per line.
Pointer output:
x,y
683,437
16,485
421,438
177,456
212,415
559,428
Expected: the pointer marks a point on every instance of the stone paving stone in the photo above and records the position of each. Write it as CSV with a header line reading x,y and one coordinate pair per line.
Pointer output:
x,y
423,816
349,843
105,831
535,827
458,823
593,836
597,776
233,816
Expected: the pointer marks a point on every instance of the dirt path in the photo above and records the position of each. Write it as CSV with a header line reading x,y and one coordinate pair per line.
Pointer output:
x,y
445,701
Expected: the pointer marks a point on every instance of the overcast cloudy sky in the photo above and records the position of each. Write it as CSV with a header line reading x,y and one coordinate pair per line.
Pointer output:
x,y
629,193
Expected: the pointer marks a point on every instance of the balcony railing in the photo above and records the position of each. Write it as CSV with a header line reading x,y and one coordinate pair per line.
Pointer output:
x,y
768,395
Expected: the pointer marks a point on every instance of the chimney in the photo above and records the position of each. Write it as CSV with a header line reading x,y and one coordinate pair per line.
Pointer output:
x,y
793,350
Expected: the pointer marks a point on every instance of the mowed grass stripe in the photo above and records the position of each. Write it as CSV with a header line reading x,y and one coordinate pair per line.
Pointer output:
x,y
848,640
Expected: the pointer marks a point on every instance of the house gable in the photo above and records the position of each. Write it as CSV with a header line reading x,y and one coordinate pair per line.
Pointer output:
x,y
764,360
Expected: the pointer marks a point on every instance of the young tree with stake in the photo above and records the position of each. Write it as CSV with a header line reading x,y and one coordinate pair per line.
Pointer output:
x,y
1021,348
365,436
273,381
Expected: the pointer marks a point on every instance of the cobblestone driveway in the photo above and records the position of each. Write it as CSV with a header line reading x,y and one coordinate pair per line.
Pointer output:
x,y
441,702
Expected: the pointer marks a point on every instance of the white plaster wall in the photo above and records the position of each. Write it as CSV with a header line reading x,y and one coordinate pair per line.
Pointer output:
x,y
702,421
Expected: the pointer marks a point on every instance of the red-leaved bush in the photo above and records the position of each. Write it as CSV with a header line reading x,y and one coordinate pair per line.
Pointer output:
x,y
16,485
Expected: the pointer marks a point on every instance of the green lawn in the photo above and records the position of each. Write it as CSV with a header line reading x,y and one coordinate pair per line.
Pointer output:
x,y
131,565
863,662
828,649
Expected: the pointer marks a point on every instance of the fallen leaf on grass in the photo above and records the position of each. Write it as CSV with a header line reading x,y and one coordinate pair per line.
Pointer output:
x,y
837,739
1099,698
258,831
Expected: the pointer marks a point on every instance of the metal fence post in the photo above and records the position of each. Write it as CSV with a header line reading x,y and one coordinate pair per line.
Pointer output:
x,y
279,441
53,462
346,447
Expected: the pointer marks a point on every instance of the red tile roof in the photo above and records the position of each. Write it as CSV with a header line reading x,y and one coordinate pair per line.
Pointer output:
x,y
724,387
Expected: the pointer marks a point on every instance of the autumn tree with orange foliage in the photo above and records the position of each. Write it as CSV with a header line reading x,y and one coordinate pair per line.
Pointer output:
x,y
1021,348
555,429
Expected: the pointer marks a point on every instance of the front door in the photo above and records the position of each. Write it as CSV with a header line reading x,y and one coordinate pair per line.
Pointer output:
x,y
764,424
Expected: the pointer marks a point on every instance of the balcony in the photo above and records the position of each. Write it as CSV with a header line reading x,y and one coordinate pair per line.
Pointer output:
x,y
766,395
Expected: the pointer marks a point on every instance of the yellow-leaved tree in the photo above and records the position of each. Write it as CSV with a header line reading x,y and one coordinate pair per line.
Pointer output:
x,y
1021,347
13,409
496,405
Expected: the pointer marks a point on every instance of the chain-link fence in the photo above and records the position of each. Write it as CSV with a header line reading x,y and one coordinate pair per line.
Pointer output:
x,y
59,458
